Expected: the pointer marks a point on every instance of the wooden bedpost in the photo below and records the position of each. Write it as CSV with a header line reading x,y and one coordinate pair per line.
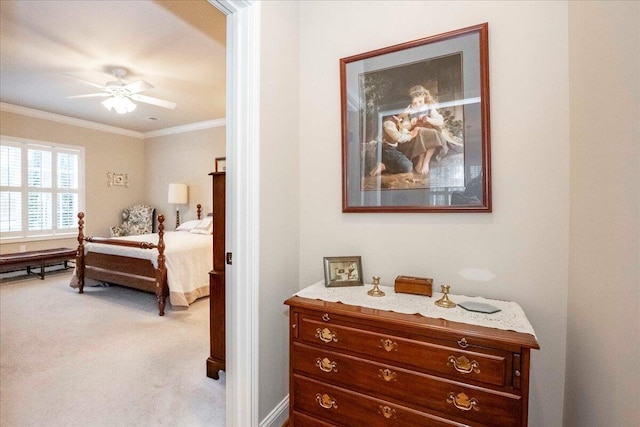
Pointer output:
x,y
199,211
80,253
162,290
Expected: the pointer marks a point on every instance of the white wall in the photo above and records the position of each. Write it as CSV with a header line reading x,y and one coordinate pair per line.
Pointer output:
x,y
280,175
524,242
185,158
603,338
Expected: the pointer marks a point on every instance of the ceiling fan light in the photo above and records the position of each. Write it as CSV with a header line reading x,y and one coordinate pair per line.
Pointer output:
x,y
121,104
108,103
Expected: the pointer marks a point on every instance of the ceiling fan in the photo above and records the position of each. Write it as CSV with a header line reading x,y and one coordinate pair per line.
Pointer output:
x,y
120,93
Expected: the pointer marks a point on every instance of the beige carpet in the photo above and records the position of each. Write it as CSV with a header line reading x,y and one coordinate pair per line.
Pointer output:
x,y
104,358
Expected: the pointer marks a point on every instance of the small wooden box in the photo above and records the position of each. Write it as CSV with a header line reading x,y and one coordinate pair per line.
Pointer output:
x,y
413,285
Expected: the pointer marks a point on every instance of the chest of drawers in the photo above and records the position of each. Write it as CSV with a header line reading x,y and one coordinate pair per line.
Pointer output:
x,y
356,366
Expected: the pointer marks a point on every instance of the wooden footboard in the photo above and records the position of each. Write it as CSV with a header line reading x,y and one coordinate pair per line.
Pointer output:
x,y
126,271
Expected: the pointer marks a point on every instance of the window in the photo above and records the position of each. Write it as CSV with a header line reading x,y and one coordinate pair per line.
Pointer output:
x,y
41,189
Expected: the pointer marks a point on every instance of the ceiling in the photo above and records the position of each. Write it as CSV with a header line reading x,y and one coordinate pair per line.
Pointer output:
x,y
177,46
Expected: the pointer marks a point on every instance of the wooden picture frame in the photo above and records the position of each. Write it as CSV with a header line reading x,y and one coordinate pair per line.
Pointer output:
x,y
343,271
415,126
221,164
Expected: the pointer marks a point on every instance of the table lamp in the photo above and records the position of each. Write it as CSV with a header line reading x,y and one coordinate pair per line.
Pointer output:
x,y
178,196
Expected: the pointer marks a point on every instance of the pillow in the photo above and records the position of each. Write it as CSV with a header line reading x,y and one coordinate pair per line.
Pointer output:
x,y
205,227
117,231
189,225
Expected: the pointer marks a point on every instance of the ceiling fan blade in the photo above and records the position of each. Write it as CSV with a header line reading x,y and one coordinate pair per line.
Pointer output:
x,y
89,95
86,82
153,101
138,86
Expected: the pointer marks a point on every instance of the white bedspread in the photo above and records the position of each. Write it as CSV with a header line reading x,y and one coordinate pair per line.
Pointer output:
x,y
188,258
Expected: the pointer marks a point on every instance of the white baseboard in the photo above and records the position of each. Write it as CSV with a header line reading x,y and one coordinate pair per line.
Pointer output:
x,y
278,416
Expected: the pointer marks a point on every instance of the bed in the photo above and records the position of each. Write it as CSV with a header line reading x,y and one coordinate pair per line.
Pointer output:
x,y
173,264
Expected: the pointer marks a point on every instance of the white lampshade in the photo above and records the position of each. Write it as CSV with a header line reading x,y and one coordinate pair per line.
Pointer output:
x,y
178,194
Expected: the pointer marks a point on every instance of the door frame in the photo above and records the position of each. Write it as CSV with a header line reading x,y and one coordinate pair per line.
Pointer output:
x,y
243,209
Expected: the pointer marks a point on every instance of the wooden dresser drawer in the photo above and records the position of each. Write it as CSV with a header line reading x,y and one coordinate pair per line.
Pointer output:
x,y
414,389
483,365
357,366
302,420
348,409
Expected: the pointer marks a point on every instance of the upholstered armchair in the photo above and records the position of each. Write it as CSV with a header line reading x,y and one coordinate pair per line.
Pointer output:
x,y
137,219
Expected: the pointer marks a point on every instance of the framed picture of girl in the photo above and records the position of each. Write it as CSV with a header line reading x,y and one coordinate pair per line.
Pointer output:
x,y
415,126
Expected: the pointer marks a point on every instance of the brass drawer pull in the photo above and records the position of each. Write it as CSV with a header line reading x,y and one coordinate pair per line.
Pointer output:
x,y
386,411
326,317
463,343
326,365
462,402
388,345
463,365
326,401
387,375
326,335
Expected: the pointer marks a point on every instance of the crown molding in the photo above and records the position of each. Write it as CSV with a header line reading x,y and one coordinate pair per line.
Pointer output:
x,y
228,7
59,118
186,128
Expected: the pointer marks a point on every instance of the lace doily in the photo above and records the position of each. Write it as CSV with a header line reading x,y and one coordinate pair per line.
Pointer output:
x,y
511,317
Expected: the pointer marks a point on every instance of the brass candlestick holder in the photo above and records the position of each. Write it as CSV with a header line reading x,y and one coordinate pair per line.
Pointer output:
x,y
375,291
445,302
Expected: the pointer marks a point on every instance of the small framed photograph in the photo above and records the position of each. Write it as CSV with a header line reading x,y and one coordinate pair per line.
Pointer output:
x,y
343,271
221,164
117,179
415,125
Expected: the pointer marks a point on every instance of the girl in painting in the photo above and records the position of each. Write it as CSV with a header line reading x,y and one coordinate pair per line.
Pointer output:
x,y
425,124
411,139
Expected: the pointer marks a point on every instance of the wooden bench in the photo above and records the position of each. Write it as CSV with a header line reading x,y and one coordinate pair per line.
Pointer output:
x,y
40,259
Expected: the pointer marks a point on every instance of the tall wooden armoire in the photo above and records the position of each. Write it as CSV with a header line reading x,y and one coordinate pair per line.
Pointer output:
x,y
216,360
